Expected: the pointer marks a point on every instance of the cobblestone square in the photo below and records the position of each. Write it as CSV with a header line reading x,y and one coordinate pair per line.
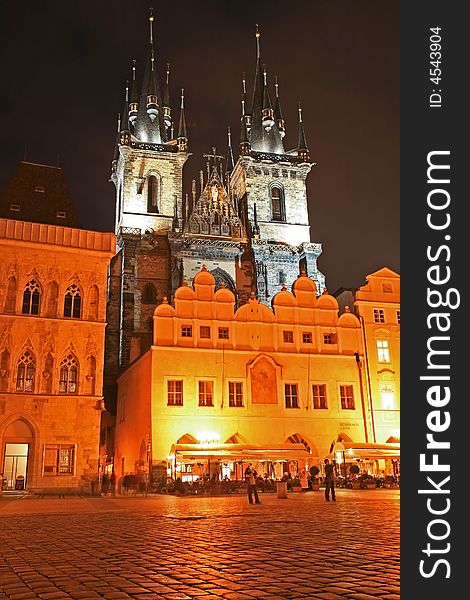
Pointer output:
x,y
203,548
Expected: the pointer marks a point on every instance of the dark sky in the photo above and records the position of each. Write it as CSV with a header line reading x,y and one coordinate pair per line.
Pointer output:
x,y
64,67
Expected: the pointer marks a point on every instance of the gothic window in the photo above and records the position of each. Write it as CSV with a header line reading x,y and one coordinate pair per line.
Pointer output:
x,y
94,303
4,365
11,296
25,373
31,296
68,375
52,296
72,302
152,194
47,374
149,294
277,203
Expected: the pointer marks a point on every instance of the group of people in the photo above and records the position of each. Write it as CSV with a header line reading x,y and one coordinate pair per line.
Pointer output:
x,y
252,491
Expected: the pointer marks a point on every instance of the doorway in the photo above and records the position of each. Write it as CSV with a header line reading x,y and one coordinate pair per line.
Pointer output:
x,y
15,466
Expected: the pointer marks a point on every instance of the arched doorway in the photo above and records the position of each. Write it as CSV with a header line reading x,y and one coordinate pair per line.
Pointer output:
x,y
18,443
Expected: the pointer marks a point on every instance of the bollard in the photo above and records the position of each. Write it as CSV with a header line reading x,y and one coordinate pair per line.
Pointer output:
x,y
281,487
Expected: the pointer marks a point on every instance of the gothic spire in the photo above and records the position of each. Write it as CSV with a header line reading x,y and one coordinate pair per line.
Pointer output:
x,y
166,98
278,112
230,161
125,137
302,149
149,126
182,135
134,104
264,134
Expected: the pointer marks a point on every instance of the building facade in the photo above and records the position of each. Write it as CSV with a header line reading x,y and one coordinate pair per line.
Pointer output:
x,y
245,219
52,323
250,376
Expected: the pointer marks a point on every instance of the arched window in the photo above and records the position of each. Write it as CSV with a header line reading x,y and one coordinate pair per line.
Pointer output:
x,y
72,302
25,372
11,296
68,375
31,297
277,203
152,194
149,294
52,297
94,303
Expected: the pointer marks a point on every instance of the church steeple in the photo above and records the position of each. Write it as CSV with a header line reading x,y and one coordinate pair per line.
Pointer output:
x,y
278,112
302,149
182,135
149,126
230,161
264,133
124,124
134,104
166,99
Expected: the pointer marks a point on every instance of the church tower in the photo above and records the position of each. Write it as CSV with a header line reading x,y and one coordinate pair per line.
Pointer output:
x,y
268,185
147,171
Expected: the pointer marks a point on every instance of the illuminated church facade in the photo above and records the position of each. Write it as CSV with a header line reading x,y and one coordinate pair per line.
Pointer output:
x,y
245,345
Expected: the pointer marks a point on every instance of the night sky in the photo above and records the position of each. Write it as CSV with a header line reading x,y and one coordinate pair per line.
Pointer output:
x,y
64,65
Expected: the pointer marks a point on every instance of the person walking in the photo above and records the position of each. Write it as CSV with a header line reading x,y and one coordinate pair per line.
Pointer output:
x,y
329,481
250,478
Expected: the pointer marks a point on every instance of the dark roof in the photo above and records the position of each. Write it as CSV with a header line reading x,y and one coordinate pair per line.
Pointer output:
x,y
38,193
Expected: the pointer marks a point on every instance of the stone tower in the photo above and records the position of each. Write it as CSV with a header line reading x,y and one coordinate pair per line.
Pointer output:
x,y
147,173
268,185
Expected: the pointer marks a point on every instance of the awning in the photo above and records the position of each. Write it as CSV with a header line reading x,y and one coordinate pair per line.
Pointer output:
x,y
355,450
239,452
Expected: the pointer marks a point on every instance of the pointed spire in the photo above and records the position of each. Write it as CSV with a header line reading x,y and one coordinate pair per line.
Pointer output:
x,y
149,126
230,161
278,112
302,149
134,104
125,137
264,134
267,112
166,98
182,136
245,116
245,146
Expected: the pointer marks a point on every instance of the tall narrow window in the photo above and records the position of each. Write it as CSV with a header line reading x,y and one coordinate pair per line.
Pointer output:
x,y
25,372
206,393
175,392
383,351
68,375
277,204
72,302
235,393
11,296
31,298
152,194
292,395
149,294
58,460
319,396
347,397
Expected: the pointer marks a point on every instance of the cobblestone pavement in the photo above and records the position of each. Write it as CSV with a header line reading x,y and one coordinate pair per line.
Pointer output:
x,y
201,548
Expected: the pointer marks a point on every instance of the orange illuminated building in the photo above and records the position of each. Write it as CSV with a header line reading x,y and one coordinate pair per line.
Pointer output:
x,y
222,385
53,279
